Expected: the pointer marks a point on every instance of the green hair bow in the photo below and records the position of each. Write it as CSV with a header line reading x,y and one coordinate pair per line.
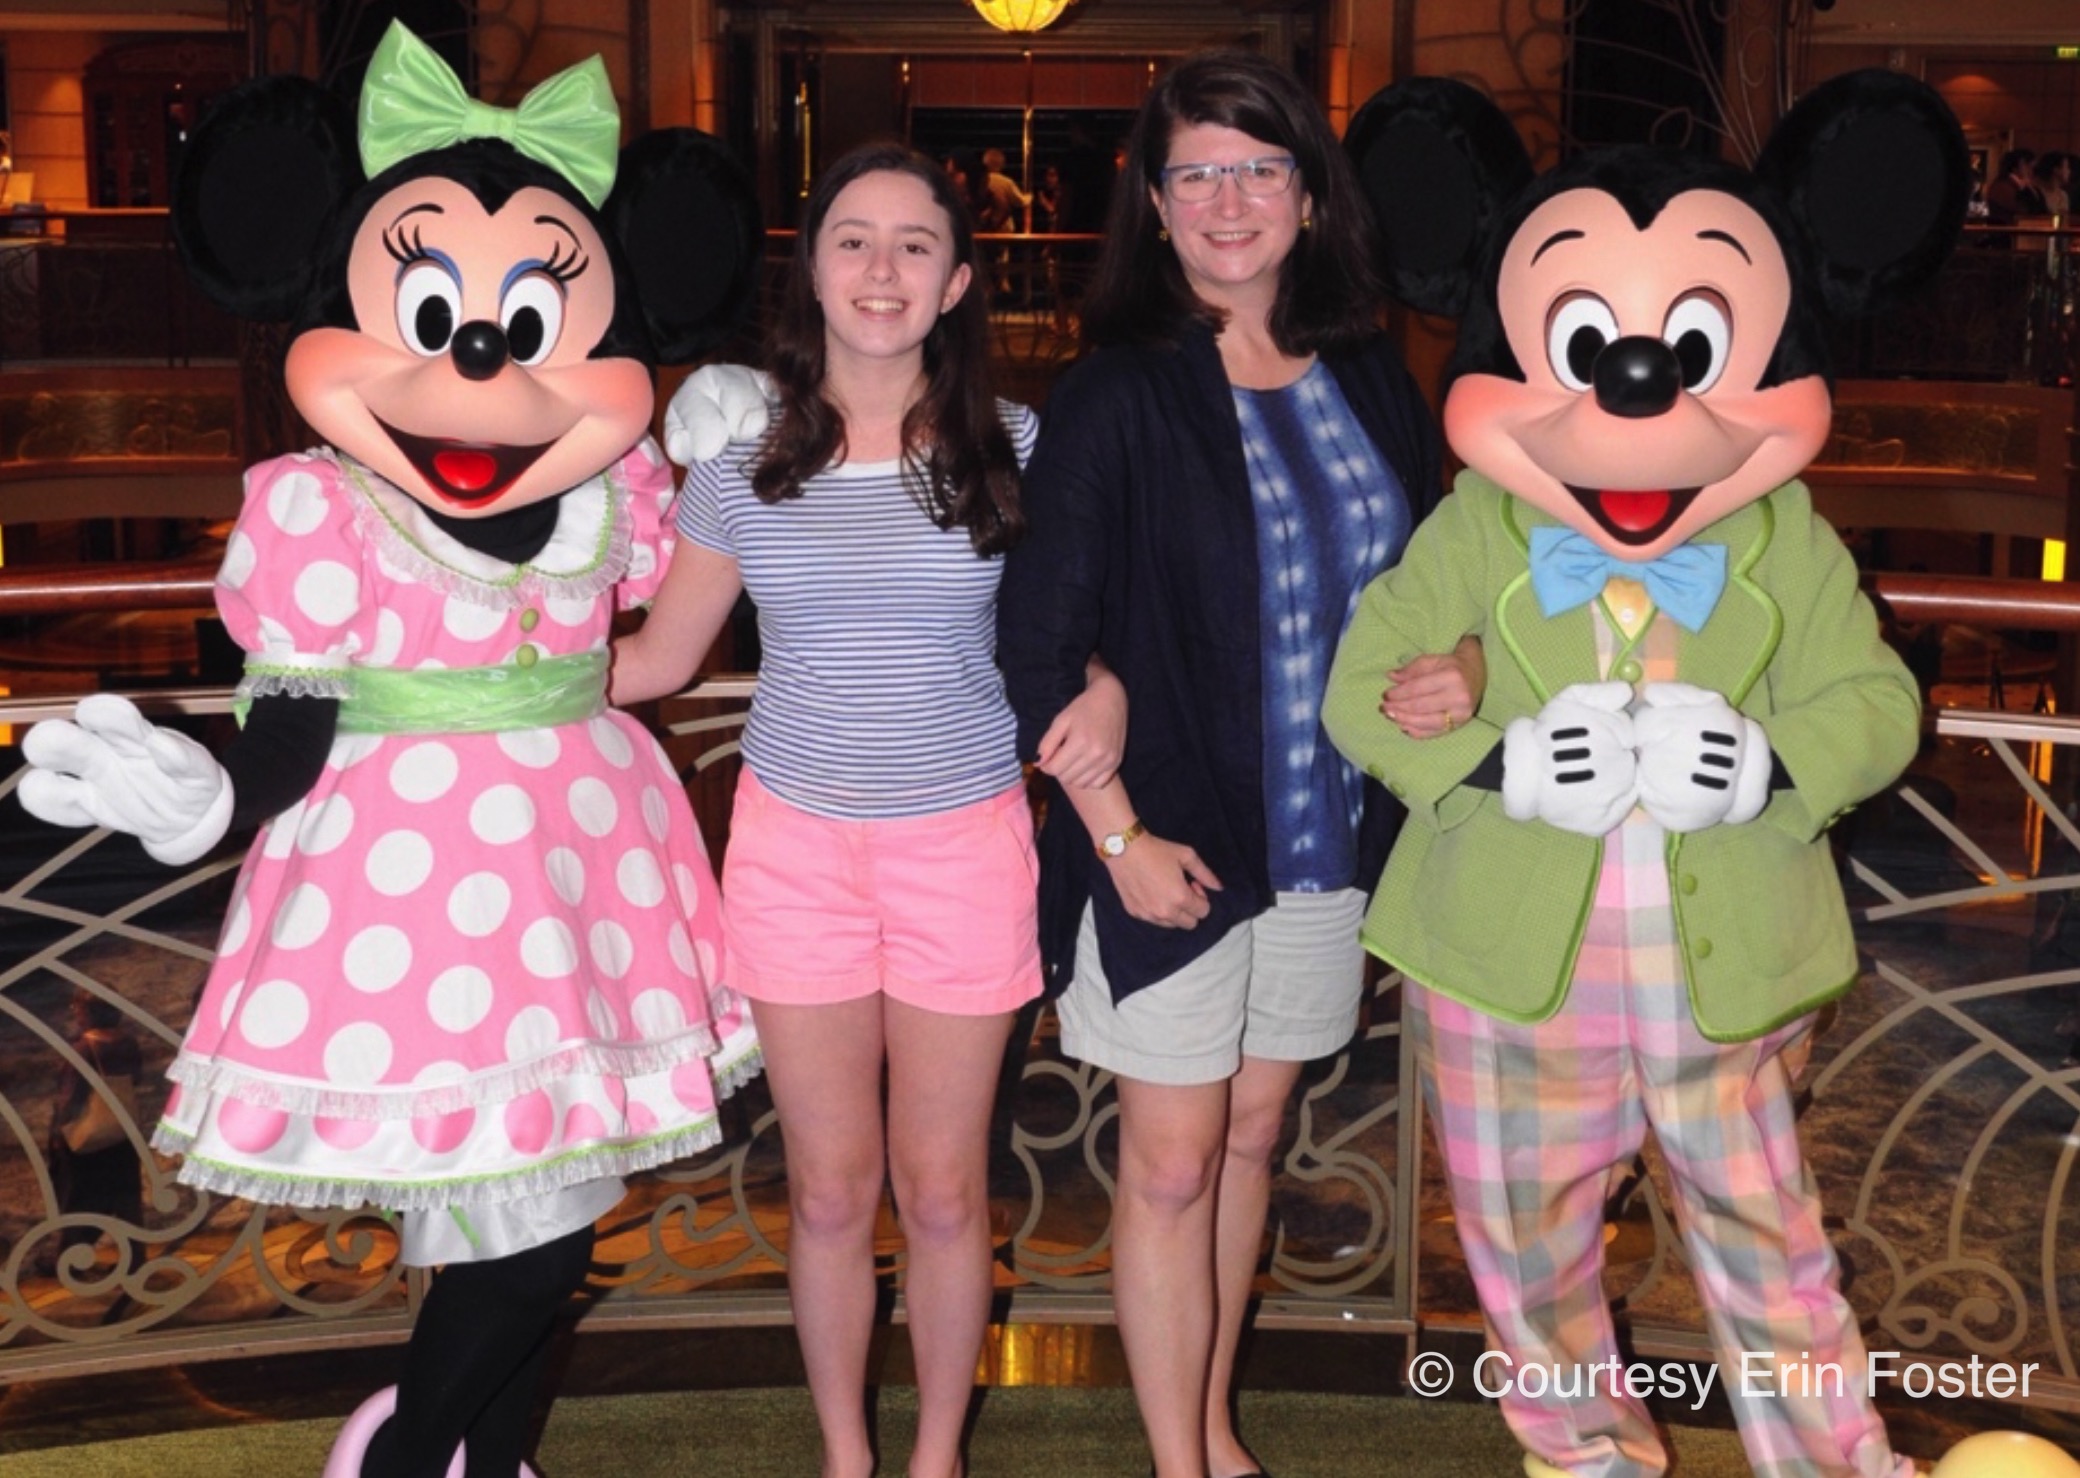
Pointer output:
x,y
412,102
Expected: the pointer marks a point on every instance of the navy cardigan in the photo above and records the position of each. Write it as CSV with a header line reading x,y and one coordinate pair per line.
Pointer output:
x,y
1142,547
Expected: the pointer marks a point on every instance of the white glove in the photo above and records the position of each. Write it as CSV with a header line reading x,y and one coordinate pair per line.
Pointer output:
x,y
716,405
110,766
1572,766
1701,761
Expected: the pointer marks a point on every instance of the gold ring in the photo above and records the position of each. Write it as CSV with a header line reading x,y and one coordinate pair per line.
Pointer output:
x,y
1450,723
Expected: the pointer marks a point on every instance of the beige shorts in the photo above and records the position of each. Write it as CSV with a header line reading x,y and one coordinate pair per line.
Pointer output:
x,y
1284,986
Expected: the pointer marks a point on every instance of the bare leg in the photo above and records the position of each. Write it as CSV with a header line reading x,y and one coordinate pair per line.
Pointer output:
x,y
824,1065
942,1080
1170,1147
1257,1097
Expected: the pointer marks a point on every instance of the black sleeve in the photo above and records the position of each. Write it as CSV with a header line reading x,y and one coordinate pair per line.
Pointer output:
x,y
278,755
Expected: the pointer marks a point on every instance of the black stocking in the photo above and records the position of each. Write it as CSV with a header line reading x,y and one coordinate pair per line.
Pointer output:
x,y
474,1362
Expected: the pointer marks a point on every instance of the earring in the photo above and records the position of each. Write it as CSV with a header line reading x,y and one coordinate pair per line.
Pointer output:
x,y
1307,223
1162,233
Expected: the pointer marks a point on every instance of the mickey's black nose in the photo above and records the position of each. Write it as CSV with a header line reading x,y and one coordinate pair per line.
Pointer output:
x,y
1636,377
479,349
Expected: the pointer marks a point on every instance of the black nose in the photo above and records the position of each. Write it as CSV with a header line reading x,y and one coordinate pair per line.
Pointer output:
x,y
479,350
1636,377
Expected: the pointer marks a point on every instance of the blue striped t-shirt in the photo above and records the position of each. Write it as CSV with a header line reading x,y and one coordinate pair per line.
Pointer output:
x,y
878,689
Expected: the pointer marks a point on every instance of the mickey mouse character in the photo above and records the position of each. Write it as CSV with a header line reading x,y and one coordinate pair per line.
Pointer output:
x,y
471,968
1615,902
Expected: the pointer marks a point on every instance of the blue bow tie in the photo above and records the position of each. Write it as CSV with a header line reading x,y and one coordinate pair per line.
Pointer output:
x,y
1569,569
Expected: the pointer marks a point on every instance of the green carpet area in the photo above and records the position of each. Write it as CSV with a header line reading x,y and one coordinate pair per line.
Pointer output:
x,y
1020,1432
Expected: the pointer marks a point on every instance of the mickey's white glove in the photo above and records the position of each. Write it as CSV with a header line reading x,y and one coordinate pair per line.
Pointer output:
x,y
1701,761
1572,766
110,766
716,405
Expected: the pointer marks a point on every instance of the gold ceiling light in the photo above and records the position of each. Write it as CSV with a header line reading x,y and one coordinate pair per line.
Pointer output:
x,y
1021,17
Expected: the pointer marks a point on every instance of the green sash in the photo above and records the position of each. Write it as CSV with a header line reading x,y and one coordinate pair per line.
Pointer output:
x,y
475,700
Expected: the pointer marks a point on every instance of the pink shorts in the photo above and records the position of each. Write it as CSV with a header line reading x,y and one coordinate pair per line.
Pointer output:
x,y
938,911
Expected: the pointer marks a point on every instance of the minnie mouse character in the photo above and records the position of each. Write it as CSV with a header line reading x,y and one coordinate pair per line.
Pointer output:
x,y
1686,689
470,972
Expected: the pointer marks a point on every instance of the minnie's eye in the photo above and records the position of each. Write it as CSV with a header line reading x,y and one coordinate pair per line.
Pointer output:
x,y
532,316
1580,327
1701,333
429,306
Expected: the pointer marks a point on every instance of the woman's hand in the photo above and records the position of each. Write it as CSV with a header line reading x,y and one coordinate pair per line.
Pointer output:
x,y
1437,693
1082,747
1163,882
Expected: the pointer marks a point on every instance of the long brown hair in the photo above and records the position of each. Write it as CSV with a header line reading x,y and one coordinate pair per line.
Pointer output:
x,y
957,459
1328,295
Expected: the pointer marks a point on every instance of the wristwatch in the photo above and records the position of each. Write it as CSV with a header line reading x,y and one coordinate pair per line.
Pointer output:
x,y
1113,843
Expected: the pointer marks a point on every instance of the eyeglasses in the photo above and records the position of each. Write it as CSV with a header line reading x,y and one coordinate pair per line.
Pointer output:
x,y
1194,184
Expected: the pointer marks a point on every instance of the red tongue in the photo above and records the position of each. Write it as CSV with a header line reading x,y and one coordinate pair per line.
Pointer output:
x,y
466,471
1634,512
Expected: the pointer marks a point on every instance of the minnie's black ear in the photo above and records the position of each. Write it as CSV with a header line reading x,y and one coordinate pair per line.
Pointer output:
x,y
262,173
687,219
1440,164
1874,165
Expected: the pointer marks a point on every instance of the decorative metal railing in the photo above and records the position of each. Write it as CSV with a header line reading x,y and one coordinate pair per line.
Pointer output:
x,y
1942,1111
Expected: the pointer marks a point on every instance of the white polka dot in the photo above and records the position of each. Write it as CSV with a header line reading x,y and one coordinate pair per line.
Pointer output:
x,y
613,952
658,1013
613,745
424,772
296,503
237,927
680,947
302,918
389,639
326,826
228,1011
548,950
467,621
642,562
274,1014
687,884
641,880
657,813
479,904
705,957
504,813
327,592
377,958
566,871
281,833
392,572
240,560
599,1014
565,611
275,639
535,748
358,1055
436,1073
593,806
459,998
531,1033
399,863
350,750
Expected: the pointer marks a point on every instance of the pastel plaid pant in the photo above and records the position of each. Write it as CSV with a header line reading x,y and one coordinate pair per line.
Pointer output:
x,y
1534,1121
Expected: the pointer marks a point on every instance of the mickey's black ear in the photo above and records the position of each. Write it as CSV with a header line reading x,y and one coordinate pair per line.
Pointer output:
x,y
687,219
1874,165
1440,164
262,173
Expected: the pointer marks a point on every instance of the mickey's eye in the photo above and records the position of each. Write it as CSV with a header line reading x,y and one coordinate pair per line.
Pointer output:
x,y
532,316
429,306
1580,326
1700,330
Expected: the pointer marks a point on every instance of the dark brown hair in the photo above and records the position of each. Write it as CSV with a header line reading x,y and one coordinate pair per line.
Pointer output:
x,y
1328,297
957,459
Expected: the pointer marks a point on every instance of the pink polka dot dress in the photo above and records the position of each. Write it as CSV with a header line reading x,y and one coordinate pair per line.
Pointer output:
x,y
469,967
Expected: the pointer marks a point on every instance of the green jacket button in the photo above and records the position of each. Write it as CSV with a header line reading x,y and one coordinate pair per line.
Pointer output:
x,y
1630,671
528,655
1703,949
1397,791
530,618
1689,884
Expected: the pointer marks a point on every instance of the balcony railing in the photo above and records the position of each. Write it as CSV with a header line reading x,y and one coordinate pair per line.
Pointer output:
x,y
1941,1110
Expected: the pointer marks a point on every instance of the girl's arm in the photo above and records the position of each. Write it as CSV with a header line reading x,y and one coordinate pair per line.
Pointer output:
x,y
1082,747
699,590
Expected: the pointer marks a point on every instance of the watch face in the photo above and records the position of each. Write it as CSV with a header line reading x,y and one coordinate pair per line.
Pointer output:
x,y
1114,845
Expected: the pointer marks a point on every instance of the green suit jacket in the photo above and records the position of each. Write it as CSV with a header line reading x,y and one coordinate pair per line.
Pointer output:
x,y
1491,911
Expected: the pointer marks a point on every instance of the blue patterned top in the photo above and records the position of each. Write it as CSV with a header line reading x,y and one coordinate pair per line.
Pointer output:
x,y
1330,515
